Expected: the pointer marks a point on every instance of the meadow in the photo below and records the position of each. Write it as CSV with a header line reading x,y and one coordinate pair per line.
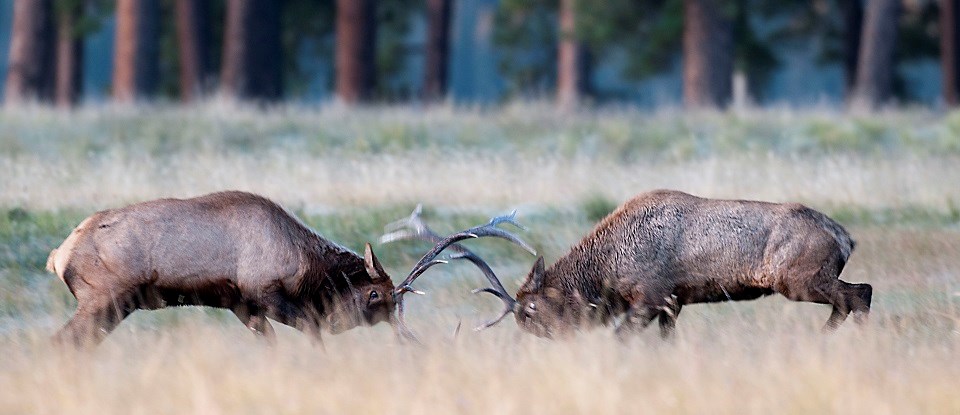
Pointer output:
x,y
892,178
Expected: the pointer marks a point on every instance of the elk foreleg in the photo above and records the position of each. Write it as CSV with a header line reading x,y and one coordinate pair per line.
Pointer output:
x,y
860,297
254,319
668,316
637,319
279,308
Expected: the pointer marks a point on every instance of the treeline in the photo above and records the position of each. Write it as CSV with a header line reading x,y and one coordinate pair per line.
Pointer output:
x,y
249,50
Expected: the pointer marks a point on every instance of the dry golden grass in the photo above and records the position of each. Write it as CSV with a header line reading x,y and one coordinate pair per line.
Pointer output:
x,y
719,364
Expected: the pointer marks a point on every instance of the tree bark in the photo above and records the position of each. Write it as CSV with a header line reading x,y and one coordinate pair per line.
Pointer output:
x,y
707,54
852,29
252,56
435,71
30,75
950,51
572,71
874,84
69,59
136,59
193,40
356,50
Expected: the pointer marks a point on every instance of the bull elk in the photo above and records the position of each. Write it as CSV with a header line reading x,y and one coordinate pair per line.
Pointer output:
x,y
231,250
665,249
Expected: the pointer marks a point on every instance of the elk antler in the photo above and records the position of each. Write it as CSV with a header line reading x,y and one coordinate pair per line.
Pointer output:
x,y
414,228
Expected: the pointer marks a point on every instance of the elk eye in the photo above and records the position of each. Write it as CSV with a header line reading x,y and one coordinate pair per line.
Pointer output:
x,y
374,295
532,306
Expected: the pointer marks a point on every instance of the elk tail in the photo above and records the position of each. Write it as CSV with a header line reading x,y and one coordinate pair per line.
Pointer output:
x,y
52,266
51,263
59,258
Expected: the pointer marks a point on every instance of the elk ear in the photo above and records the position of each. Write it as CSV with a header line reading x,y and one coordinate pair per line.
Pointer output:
x,y
535,279
374,269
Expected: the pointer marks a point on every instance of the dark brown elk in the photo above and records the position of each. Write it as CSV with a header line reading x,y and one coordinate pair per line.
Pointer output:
x,y
666,249
230,250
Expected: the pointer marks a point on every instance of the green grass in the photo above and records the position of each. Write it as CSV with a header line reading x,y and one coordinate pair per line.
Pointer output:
x,y
26,238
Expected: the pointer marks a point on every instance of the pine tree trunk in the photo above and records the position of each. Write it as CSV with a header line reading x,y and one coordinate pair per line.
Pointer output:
x,y
950,51
707,54
874,84
572,71
252,56
30,74
69,58
852,29
136,59
355,50
435,71
193,43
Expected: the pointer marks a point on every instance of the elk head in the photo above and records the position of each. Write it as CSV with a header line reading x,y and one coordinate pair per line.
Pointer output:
x,y
366,303
547,311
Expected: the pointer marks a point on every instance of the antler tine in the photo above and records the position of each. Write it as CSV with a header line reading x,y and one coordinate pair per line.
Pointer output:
x,y
487,272
496,289
407,222
406,287
477,232
417,229
414,228
401,326
511,219
489,229
503,314
411,227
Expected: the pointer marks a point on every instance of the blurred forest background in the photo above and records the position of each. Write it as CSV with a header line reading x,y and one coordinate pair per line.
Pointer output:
x,y
695,53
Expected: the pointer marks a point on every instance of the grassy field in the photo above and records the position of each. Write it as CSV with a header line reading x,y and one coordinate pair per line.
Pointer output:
x,y
893,179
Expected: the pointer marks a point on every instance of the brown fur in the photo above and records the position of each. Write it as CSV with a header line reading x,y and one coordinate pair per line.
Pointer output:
x,y
231,250
666,249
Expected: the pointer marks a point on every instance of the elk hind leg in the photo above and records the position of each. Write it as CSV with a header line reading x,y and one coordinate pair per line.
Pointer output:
x,y
94,320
